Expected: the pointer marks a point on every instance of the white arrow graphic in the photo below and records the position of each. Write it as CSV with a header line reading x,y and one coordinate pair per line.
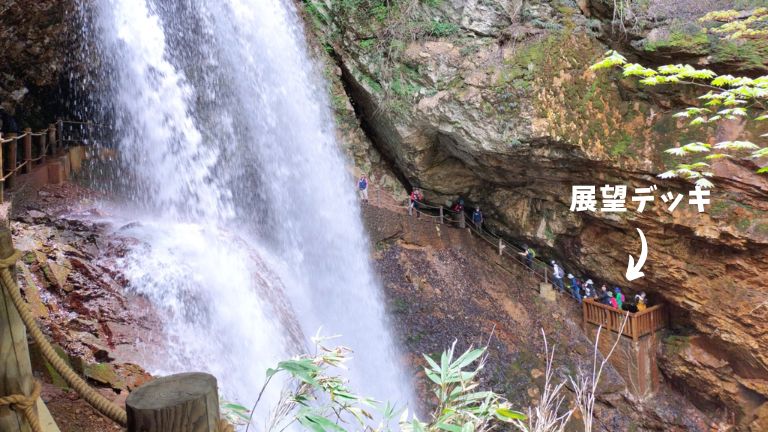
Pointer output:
x,y
633,272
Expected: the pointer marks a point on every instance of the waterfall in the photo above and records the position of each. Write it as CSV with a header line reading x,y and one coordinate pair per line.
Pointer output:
x,y
250,234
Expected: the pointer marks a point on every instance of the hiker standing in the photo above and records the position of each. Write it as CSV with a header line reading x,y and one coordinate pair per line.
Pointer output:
x,y
612,301
458,210
575,287
641,301
619,297
529,254
558,274
477,218
413,203
589,289
603,296
362,188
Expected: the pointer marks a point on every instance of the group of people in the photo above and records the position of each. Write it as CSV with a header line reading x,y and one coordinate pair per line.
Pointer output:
x,y
477,216
614,298
416,197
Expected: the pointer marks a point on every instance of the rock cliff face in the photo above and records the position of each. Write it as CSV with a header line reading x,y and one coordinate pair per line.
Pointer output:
x,y
38,41
494,101
443,284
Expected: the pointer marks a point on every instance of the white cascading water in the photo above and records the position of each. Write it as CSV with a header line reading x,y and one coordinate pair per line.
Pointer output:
x,y
249,222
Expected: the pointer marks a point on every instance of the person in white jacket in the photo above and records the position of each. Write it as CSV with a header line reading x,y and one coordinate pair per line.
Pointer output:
x,y
558,274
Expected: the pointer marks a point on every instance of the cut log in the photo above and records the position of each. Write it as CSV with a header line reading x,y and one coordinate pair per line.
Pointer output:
x,y
186,402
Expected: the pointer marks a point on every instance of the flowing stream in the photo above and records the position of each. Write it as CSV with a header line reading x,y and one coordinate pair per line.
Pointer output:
x,y
250,233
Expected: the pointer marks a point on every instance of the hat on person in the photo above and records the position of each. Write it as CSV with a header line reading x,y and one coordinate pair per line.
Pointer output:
x,y
570,276
553,262
589,282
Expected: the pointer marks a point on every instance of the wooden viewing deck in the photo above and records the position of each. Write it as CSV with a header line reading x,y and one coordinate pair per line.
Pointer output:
x,y
638,325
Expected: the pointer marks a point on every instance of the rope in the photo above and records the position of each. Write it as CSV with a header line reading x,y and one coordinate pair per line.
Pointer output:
x,y
26,404
96,400
484,234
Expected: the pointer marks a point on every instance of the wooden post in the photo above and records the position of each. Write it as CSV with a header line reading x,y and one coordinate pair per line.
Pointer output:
x,y
441,215
15,367
13,147
462,220
187,402
2,182
545,273
28,150
501,248
60,134
52,139
43,151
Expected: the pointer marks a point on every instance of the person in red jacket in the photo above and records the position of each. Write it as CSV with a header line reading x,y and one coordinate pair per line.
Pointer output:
x,y
414,200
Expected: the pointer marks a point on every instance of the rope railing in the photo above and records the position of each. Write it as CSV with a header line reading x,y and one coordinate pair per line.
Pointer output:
x,y
26,402
45,142
540,269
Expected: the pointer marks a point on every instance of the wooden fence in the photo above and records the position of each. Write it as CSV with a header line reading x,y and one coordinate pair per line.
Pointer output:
x,y
638,325
35,147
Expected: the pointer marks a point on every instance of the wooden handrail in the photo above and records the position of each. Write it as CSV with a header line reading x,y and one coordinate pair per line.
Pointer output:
x,y
638,324
47,139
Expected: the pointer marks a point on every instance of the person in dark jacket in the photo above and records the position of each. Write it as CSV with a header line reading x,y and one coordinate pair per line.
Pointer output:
x,y
477,218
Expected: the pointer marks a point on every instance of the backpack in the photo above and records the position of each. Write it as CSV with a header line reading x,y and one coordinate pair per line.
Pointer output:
x,y
532,253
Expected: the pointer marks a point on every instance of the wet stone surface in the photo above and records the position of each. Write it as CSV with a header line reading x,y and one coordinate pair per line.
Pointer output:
x,y
69,276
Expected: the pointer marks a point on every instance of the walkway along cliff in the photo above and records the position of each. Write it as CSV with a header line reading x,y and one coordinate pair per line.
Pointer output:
x,y
492,101
495,102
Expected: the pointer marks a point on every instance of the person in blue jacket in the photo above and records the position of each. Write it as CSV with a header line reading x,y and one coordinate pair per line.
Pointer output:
x,y
362,188
477,218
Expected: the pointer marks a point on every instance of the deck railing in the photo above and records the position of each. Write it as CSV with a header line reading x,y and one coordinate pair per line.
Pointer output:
x,y
638,325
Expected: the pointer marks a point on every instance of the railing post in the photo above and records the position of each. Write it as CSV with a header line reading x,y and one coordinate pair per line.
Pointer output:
x,y
15,366
28,150
12,155
2,182
176,403
501,248
462,220
60,133
52,139
545,274
441,215
42,145
635,330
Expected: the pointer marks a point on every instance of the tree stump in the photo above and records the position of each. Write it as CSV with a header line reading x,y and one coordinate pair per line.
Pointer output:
x,y
187,402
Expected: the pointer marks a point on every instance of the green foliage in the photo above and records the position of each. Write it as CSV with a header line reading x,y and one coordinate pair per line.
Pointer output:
x,y
321,402
367,43
622,145
233,413
697,42
727,98
439,28
734,25
371,84
380,12
433,3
